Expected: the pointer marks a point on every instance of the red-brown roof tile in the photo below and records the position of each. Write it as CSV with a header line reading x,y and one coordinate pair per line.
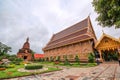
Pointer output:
x,y
73,34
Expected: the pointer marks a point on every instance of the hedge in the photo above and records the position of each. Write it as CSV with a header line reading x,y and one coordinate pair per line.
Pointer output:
x,y
2,66
32,67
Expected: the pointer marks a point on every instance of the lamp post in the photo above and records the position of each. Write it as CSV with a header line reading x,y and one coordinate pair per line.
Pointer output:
x,y
97,61
97,58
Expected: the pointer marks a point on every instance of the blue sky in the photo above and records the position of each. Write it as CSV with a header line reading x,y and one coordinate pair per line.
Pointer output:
x,y
40,19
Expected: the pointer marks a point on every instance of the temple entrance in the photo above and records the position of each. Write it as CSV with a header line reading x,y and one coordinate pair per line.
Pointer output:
x,y
108,48
25,57
111,55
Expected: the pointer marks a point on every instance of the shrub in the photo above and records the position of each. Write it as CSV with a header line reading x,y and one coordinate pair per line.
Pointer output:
x,y
32,67
10,66
77,59
66,62
2,66
58,58
19,59
51,59
12,57
16,62
43,59
91,58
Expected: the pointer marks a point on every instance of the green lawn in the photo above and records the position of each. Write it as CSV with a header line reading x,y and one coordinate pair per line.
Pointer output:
x,y
13,72
71,64
81,65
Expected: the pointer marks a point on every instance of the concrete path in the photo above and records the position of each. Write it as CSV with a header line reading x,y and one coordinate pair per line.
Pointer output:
x,y
101,72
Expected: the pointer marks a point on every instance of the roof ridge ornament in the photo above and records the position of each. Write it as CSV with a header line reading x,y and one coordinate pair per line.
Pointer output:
x,y
103,31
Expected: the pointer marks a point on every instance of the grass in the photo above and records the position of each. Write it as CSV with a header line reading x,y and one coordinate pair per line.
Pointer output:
x,y
80,65
13,72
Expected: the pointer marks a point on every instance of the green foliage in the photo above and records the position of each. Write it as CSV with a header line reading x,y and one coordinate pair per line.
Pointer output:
x,y
12,57
17,61
115,56
91,64
10,66
77,59
109,12
39,60
32,67
13,72
51,59
2,66
4,56
4,49
1,57
109,56
66,62
91,58
43,59
58,58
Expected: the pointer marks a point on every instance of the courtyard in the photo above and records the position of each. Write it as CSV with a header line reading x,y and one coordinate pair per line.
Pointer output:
x,y
104,71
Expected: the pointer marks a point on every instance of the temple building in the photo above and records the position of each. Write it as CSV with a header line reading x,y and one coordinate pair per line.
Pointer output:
x,y
25,53
77,40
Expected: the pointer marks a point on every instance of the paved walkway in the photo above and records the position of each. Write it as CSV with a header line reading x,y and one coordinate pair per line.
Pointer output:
x,y
101,72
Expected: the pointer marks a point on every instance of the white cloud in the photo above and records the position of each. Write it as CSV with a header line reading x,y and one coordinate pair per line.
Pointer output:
x,y
39,19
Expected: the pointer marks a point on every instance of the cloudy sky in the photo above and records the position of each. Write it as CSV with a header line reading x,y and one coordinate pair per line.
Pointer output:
x,y
40,19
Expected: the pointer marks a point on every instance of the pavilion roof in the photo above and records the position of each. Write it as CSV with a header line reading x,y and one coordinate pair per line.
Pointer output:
x,y
108,36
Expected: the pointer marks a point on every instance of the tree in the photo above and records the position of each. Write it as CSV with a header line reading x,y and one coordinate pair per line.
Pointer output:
x,y
4,49
108,11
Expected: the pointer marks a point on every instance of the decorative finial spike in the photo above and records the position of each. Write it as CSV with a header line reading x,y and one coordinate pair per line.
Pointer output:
x,y
27,39
103,31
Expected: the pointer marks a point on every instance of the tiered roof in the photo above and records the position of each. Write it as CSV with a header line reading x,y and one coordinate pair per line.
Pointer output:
x,y
76,33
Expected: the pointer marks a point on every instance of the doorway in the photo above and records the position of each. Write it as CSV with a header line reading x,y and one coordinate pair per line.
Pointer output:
x,y
25,57
110,55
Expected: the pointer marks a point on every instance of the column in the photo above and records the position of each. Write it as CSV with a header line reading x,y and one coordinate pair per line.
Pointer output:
x,y
100,53
119,53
